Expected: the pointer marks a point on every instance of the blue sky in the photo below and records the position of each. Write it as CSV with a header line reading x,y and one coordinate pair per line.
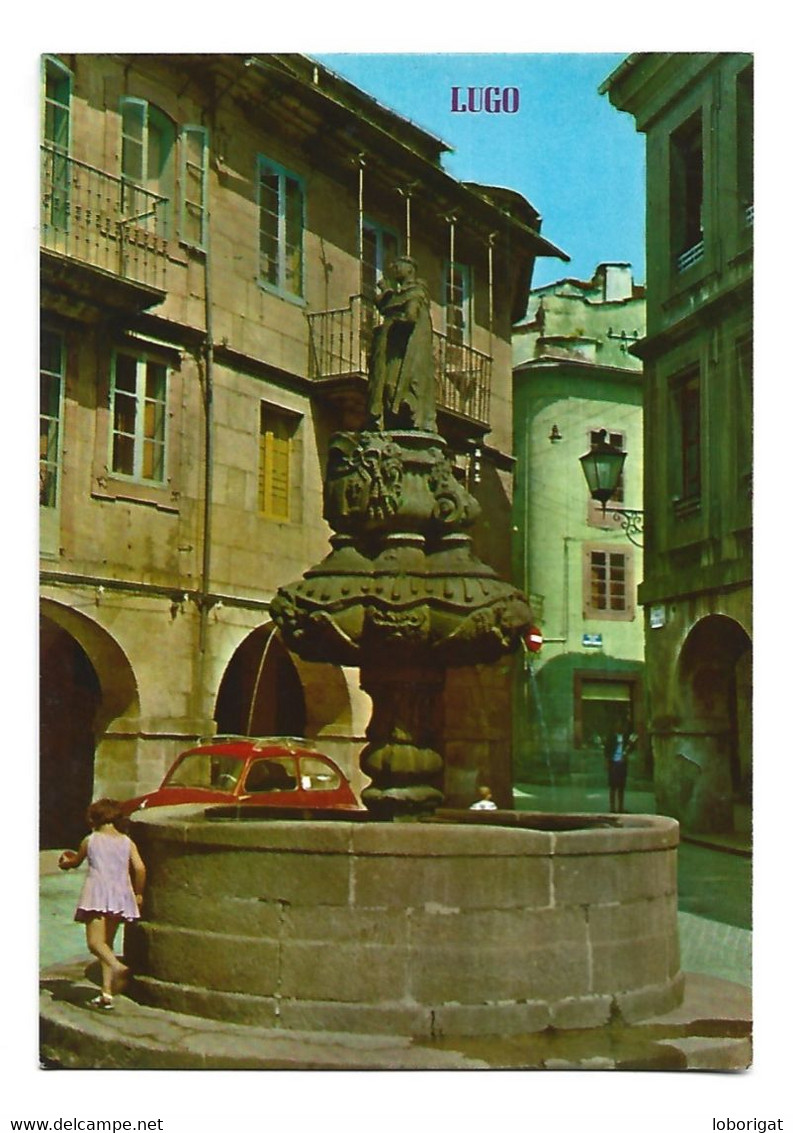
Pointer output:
x,y
578,160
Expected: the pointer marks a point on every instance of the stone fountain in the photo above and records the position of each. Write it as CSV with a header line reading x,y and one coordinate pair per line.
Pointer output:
x,y
452,923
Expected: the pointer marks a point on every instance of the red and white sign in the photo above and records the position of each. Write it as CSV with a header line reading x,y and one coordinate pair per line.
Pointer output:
x,y
533,639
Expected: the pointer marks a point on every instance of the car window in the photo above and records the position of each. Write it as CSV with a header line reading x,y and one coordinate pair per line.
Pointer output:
x,y
316,775
274,774
210,772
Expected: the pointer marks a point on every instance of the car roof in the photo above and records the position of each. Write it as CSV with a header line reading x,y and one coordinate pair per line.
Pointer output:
x,y
246,745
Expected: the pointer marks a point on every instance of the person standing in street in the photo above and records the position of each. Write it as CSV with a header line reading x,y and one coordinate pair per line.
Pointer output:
x,y
617,748
112,891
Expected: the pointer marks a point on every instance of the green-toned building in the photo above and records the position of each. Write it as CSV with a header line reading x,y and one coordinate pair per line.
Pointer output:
x,y
696,110
574,376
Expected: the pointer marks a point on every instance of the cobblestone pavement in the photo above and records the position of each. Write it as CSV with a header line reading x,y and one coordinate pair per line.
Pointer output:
x,y
715,949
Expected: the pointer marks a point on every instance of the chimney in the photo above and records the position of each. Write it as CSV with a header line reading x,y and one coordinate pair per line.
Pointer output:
x,y
616,281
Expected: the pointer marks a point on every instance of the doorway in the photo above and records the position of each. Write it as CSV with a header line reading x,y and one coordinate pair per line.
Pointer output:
x,y
69,696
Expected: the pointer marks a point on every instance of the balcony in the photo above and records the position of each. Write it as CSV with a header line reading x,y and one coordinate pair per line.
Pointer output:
x,y
91,219
339,342
691,256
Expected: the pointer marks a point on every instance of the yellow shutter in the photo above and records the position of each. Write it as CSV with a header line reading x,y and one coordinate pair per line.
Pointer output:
x,y
279,482
275,447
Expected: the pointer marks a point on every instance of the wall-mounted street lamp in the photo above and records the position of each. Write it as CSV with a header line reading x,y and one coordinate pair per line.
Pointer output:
x,y
602,467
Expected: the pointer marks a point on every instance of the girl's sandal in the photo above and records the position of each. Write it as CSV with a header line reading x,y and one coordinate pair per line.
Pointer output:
x,y
102,1002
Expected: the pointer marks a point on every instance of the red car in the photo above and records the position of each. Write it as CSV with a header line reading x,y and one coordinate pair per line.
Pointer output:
x,y
276,771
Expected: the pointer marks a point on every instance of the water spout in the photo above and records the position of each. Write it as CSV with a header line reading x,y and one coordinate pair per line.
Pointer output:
x,y
542,725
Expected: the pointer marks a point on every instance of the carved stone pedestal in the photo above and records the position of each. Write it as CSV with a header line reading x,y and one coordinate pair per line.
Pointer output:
x,y
401,595
401,756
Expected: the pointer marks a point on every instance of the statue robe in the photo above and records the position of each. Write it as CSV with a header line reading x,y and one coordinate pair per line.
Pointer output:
x,y
401,365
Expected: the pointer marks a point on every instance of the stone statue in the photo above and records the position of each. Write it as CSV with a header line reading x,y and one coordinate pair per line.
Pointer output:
x,y
401,367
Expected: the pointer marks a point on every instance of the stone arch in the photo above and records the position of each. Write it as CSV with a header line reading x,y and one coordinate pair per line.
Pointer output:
x,y
268,690
713,688
86,682
707,660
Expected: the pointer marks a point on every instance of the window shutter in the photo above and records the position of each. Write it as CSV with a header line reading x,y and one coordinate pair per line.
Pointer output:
x,y
133,130
275,457
194,184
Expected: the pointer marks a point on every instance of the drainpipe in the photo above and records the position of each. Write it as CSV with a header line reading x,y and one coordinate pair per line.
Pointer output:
x,y
407,193
407,223
567,540
452,221
361,164
209,460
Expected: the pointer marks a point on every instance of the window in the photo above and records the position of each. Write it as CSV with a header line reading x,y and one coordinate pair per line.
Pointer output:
x,y
688,439
687,193
281,221
459,316
205,770
138,393
147,143
57,140
745,145
276,774
51,376
57,99
608,583
194,185
276,438
602,701
315,775
380,247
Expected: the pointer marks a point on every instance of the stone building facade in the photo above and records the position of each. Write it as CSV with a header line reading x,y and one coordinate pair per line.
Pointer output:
x,y
574,375
212,229
696,110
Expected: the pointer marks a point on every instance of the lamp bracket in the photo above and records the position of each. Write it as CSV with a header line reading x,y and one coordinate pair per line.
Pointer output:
x,y
631,520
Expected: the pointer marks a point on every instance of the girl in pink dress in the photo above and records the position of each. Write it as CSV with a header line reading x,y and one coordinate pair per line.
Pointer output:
x,y
112,891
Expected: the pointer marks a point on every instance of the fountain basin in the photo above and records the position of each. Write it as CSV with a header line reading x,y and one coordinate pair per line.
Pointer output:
x,y
412,928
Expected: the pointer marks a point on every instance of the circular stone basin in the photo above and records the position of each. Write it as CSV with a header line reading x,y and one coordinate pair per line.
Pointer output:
x,y
466,924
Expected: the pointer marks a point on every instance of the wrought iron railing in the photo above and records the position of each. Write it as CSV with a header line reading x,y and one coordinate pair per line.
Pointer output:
x,y
462,378
340,340
102,220
691,256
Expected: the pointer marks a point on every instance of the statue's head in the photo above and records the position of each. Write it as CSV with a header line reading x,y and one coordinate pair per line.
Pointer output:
x,y
404,269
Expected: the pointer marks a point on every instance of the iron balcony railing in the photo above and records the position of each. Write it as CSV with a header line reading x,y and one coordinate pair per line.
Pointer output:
x,y
462,378
102,220
340,341
691,256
